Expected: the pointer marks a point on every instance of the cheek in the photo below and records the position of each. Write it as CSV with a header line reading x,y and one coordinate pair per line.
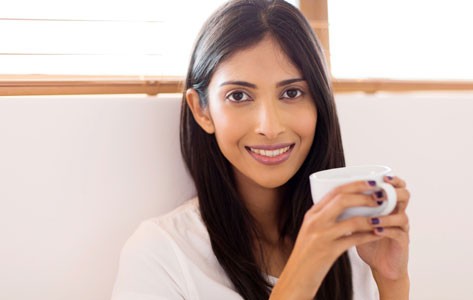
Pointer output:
x,y
227,132
304,124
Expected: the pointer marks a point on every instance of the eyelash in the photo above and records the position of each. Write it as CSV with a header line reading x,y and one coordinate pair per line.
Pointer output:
x,y
231,94
300,93
246,97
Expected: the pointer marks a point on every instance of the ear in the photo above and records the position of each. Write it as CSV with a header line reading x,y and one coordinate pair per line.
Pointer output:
x,y
201,115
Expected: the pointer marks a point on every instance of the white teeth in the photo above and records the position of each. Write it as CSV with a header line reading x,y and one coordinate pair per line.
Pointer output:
x,y
270,153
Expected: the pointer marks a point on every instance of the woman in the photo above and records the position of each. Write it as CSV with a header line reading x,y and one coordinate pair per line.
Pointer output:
x,y
258,117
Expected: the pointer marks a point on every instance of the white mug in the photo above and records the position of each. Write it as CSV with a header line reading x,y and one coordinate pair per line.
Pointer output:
x,y
324,181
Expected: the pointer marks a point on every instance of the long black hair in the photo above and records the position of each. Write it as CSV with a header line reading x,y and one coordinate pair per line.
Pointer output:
x,y
235,26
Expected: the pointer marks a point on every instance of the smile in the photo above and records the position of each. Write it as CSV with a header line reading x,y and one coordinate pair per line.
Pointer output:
x,y
270,155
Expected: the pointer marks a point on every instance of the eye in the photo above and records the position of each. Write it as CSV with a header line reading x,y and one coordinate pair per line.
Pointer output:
x,y
238,96
292,93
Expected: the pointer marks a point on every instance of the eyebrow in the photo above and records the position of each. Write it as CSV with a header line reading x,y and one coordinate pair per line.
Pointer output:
x,y
251,85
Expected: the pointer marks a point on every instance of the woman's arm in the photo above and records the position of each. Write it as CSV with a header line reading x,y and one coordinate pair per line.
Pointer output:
x,y
322,239
393,289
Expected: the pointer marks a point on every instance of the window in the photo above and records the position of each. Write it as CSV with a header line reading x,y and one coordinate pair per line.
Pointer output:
x,y
99,37
402,39
143,46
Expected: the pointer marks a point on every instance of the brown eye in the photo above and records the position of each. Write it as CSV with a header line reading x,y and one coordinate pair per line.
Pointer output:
x,y
292,93
238,96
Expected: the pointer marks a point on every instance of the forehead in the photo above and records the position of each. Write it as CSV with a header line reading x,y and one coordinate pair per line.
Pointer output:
x,y
264,61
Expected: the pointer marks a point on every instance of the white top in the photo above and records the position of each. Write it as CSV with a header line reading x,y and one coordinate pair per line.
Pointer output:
x,y
170,257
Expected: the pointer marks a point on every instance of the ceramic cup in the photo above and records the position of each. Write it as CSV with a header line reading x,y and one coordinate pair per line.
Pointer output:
x,y
324,181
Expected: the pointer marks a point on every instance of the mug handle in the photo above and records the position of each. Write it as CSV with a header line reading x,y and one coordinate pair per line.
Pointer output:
x,y
388,205
365,211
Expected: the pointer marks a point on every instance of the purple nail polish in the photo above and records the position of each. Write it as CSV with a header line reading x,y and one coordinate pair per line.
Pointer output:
x,y
375,221
379,194
389,177
380,202
379,229
371,182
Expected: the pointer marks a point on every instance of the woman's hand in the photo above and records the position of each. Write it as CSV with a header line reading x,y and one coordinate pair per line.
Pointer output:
x,y
388,257
322,239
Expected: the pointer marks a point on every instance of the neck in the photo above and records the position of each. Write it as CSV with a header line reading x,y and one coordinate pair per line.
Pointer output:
x,y
263,204
271,252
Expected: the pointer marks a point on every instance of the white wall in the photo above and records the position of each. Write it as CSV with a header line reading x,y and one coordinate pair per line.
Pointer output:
x,y
428,140
77,174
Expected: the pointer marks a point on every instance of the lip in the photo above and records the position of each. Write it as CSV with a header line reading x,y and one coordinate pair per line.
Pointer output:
x,y
270,147
275,160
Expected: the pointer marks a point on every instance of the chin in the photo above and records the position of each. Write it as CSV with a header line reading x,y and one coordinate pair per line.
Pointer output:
x,y
272,183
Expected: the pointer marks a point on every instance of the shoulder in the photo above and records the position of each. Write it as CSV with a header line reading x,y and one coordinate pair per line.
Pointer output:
x,y
187,215
151,259
161,237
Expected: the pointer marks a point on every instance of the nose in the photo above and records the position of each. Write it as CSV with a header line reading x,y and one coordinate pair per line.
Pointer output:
x,y
270,122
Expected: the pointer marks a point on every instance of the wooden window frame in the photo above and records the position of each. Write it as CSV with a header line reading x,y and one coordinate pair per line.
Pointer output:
x,y
316,12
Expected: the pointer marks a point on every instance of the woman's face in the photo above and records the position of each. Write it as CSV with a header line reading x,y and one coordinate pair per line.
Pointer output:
x,y
263,115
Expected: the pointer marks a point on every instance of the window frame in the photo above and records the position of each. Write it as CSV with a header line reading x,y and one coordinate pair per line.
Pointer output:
x,y
316,12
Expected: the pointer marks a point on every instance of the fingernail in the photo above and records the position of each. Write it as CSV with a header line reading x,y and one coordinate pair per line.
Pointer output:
x,y
389,177
380,202
379,194
379,229
371,182
375,221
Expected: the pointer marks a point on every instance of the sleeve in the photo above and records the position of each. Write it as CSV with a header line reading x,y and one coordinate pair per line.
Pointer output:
x,y
149,268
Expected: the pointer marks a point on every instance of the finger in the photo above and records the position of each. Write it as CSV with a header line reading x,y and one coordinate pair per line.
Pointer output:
x,y
343,201
351,226
396,220
403,197
395,181
326,217
356,239
356,187
395,233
